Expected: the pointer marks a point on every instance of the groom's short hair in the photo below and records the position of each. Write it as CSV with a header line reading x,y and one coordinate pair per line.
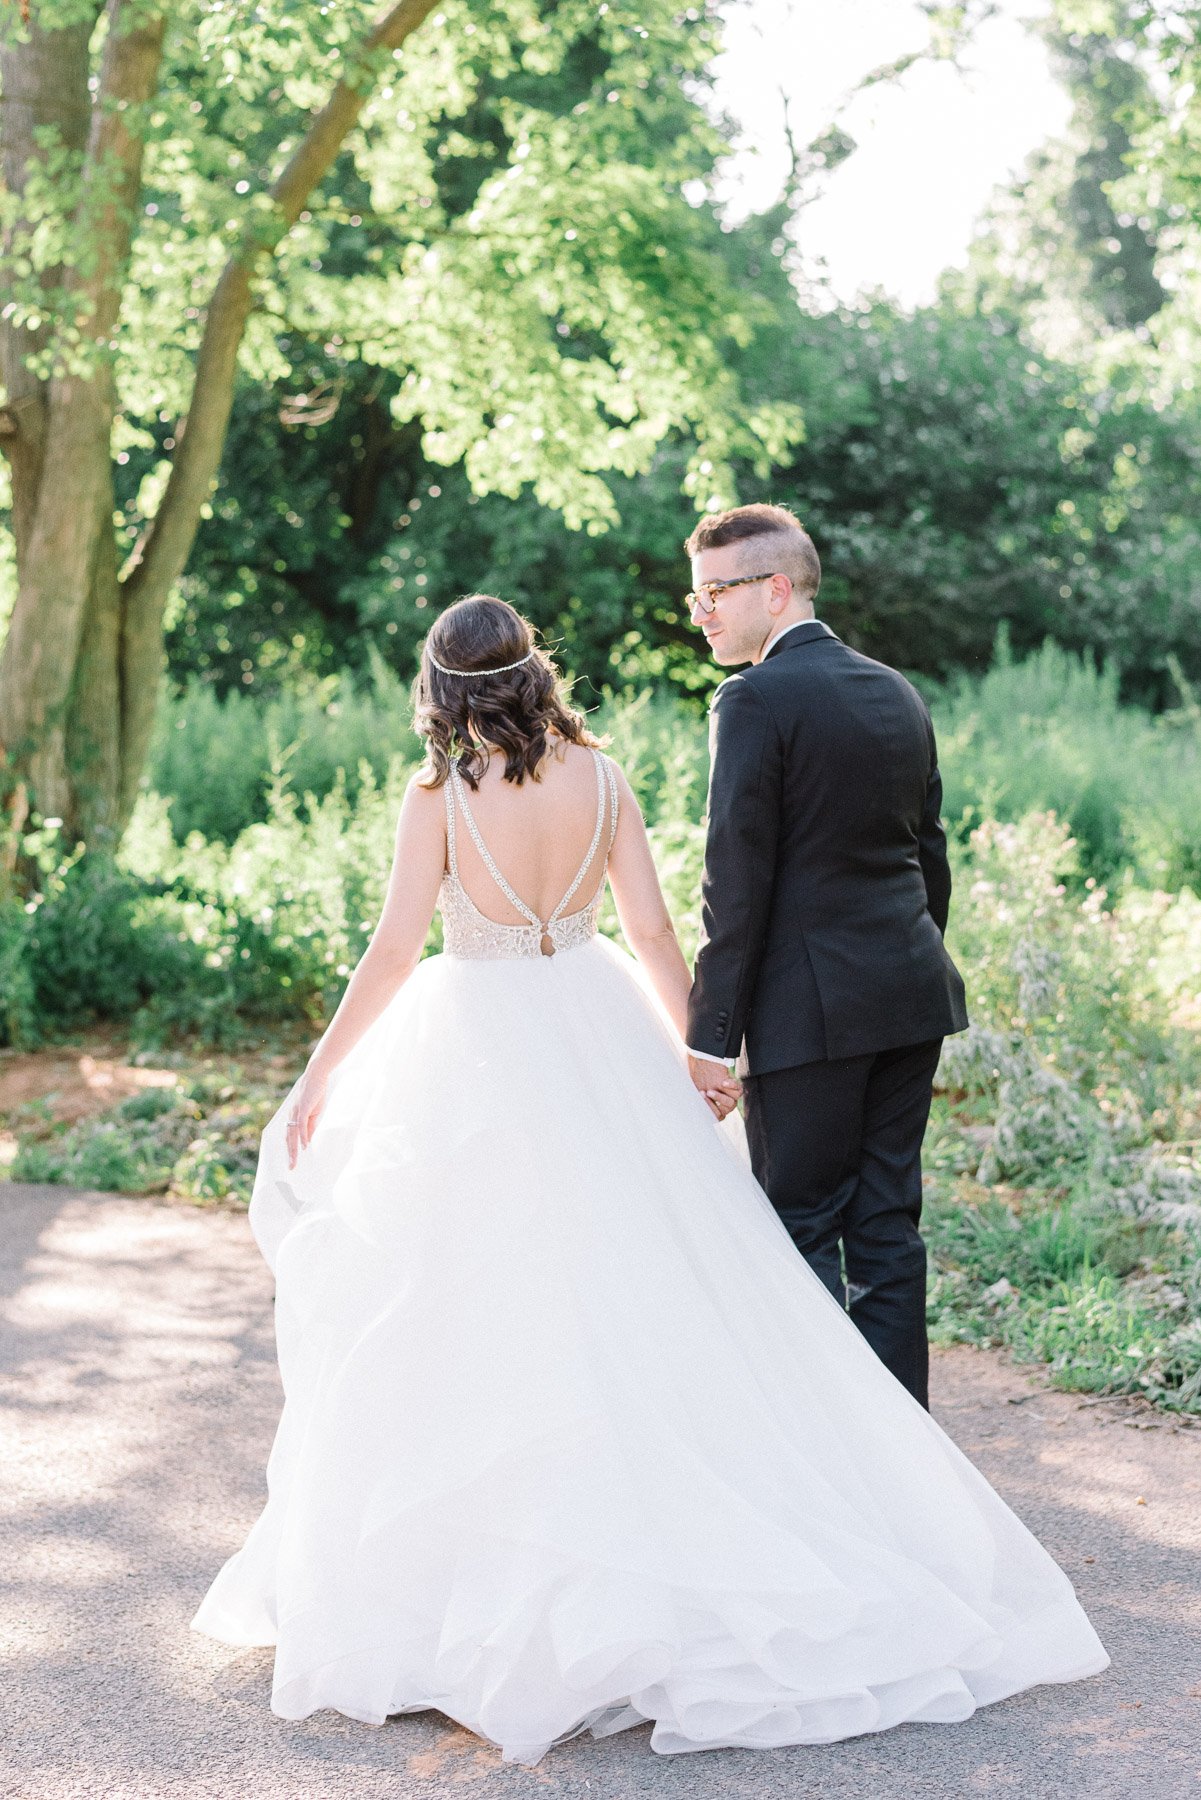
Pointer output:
x,y
791,547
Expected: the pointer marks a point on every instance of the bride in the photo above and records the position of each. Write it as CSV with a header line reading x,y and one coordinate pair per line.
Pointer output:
x,y
573,1438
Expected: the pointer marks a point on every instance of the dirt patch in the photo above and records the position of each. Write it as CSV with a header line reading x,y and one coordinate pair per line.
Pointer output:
x,y
66,1083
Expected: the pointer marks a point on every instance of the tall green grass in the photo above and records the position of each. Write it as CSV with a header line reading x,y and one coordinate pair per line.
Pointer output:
x,y
216,760
1050,734
1047,734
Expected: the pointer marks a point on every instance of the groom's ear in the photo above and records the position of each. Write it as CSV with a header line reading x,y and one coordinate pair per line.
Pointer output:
x,y
781,593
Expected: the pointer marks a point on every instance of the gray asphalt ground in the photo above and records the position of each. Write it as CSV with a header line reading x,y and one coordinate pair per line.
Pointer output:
x,y
139,1396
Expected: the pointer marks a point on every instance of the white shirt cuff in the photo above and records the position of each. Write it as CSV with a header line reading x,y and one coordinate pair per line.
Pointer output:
x,y
708,1056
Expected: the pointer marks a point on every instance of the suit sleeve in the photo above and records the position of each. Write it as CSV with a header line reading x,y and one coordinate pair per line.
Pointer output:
x,y
745,772
932,843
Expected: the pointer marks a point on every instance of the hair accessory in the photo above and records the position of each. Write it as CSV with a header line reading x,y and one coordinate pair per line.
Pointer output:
x,y
504,667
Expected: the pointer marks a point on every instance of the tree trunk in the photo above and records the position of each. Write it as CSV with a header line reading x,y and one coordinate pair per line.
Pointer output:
x,y
81,667
45,85
40,666
94,741
54,652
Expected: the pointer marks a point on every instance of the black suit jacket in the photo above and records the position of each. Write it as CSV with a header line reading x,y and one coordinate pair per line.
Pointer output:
x,y
826,885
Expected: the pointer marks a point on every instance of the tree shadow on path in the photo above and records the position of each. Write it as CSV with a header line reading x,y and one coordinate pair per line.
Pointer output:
x,y
140,1398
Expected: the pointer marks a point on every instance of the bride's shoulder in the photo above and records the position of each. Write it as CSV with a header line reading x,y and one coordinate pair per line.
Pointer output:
x,y
424,803
570,754
421,791
582,753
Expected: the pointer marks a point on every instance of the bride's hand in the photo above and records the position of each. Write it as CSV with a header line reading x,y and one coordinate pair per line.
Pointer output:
x,y
306,1110
714,1082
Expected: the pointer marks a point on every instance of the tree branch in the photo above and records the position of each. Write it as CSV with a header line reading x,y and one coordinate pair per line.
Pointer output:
x,y
159,559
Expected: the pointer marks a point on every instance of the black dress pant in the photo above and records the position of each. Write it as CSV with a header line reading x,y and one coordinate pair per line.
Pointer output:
x,y
837,1147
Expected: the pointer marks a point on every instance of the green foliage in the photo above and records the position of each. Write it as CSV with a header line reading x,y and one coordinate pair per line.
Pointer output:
x,y
957,479
127,1151
503,241
196,1141
1044,734
249,894
278,918
219,1162
1098,1337
1060,245
1079,1047
1064,1217
1049,733
500,319
97,946
218,758
954,477
664,755
17,993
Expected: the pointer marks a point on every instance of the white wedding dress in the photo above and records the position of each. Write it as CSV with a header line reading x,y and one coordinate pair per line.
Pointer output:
x,y
573,1438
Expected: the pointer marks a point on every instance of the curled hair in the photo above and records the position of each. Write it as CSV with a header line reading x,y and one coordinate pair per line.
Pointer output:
x,y
461,717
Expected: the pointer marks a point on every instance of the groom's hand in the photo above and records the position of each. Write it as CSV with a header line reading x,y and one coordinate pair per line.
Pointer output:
x,y
715,1082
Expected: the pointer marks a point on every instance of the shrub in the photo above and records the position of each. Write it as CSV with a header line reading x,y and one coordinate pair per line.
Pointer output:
x,y
1064,984
197,1141
129,1151
214,1168
218,760
1044,1131
1049,734
18,1005
1098,1338
97,946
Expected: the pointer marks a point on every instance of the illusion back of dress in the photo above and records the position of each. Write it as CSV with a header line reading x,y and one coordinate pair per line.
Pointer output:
x,y
468,932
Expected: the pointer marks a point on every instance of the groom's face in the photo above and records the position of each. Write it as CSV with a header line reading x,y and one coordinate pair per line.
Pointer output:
x,y
742,616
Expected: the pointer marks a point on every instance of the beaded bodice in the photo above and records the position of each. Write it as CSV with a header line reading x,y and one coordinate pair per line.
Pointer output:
x,y
468,932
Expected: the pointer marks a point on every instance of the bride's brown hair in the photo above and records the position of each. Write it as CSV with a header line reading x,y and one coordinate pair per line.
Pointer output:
x,y
514,710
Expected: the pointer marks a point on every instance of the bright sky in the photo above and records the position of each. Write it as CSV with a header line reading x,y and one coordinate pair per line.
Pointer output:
x,y
932,147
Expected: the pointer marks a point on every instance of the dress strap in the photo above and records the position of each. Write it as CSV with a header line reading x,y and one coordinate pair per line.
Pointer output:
x,y
611,784
452,847
486,855
601,786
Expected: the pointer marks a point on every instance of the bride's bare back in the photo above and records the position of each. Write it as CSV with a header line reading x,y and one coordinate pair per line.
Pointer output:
x,y
538,834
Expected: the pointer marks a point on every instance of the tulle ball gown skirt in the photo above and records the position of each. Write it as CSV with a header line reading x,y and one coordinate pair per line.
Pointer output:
x,y
572,1437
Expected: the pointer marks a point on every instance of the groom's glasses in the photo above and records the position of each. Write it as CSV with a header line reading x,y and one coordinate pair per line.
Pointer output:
x,y
705,596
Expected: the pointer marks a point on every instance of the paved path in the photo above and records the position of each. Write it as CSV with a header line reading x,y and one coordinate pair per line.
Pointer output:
x,y
139,1401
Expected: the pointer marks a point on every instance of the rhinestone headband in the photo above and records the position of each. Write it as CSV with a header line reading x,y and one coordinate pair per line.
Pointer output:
x,y
504,667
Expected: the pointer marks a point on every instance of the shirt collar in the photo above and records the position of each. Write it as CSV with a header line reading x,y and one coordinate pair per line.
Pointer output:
x,y
795,626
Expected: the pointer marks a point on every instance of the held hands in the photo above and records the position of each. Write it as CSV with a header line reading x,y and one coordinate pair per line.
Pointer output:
x,y
715,1082
306,1108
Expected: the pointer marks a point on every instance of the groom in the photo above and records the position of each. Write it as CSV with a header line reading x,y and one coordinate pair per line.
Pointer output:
x,y
824,900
